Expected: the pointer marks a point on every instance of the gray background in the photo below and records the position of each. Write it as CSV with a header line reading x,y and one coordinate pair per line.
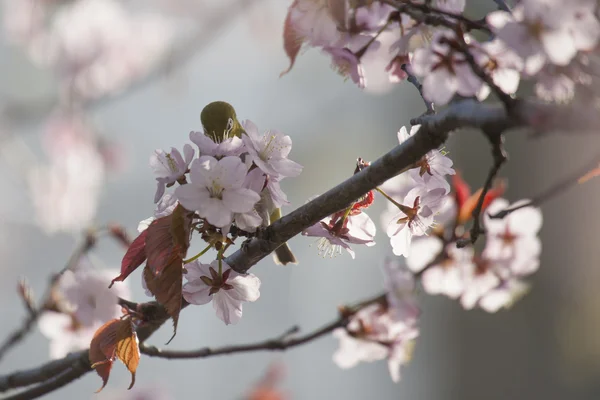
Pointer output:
x,y
547,346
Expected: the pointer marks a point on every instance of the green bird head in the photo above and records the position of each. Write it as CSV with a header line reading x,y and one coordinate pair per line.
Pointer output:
x,y
220,122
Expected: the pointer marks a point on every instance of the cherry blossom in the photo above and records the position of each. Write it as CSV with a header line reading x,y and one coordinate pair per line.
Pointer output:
x,y
400,286
230,146
374,334
227,290
338,232
479,279
540,32
216,191
85,303
269,151
503,296
514,236
65,333
501,64
445,71
347,64
98,47
88,296
448,276
416,216
432,168
65,192
169,167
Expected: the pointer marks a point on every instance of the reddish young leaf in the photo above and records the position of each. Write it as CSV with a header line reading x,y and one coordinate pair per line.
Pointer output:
x,y
135,256
461,189
102,349
114,339
292,41
167,288
589,175
465,213
168,239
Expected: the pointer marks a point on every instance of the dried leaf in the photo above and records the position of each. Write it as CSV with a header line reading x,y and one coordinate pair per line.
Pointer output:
x,y
168,239
134,257
114,339
167,288
292,40
466,210
591,174
462,191
127,348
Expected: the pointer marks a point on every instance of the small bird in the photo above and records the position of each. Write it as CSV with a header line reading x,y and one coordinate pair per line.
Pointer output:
x,y
220,122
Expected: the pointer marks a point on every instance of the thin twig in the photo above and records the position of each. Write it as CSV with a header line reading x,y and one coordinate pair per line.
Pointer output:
x,y
496,139
502,5
282,342
415,82
552,191
33,314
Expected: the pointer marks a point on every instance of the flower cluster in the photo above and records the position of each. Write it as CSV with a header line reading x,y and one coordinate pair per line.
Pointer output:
x,y
82,303
231,189
384,330
96,47
544,40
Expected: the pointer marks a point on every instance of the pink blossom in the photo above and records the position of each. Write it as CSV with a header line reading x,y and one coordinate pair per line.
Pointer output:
x,y
314,22
400,288
374,334
65,193
347,64
65,333
448,276
337,232
504,295
87,303
432,168
216,190
169,167
541,31
270,151
445,71
514,236
415,217
230,146
227,290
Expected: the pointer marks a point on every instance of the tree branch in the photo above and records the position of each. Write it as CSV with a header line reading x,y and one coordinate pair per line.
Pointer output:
x,y
415,82
283,342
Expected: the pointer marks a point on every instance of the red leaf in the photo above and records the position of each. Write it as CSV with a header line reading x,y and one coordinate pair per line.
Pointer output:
x,y
589,175
167,288
114,339
462,191
135,256
292,40
168,239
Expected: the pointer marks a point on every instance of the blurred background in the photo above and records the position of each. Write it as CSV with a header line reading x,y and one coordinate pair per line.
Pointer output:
x,y
173,58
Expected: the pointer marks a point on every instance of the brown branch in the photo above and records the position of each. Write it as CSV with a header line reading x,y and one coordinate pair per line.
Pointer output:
x,y
283,342
415,82
496,140
502,5
552,191
433,132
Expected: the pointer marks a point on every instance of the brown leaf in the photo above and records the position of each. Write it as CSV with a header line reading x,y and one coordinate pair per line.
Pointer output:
x,y
167,288
102,349
134,257
127,348
114,339
292,40
168,239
